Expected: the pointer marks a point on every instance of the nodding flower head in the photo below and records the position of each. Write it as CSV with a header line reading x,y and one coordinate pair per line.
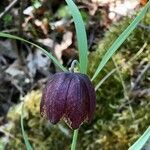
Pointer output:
x,y
69,96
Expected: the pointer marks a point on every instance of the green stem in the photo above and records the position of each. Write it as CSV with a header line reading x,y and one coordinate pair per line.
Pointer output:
x,y
74,140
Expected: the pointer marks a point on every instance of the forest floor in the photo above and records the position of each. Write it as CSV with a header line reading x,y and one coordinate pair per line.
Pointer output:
x,y
48,24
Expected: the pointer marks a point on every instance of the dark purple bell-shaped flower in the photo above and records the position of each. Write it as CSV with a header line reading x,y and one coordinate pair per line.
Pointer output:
x,y
70,96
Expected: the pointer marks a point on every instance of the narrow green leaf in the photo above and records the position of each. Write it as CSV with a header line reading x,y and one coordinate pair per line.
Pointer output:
x,y
123,36
27,143
42,49
138,145
81,36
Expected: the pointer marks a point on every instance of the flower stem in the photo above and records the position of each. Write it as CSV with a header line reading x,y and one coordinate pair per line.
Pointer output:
x,y
74,140
75,133
73,65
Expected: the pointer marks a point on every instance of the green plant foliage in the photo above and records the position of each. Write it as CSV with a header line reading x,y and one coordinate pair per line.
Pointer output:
x,y
113,126
112,129
121,38
81,36
141,141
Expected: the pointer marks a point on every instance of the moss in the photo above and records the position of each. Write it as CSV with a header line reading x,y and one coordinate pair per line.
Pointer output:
x,y
41,133
114,129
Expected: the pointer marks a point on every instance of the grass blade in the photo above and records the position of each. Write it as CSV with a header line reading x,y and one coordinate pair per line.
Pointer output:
x,y
138,145
81,36
123,36
27,143
42,49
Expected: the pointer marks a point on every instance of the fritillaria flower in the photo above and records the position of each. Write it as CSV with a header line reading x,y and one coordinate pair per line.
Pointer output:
x,y
69,96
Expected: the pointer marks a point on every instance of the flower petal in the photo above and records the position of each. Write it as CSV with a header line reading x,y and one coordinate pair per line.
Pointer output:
x,y
76,105
55,96
43,100
91,96
68,95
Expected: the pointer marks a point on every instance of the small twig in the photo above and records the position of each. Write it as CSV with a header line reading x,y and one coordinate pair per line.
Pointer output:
x,y
140,76
133,95
8,8
140,93
21,19
6,132
144,26
17,87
